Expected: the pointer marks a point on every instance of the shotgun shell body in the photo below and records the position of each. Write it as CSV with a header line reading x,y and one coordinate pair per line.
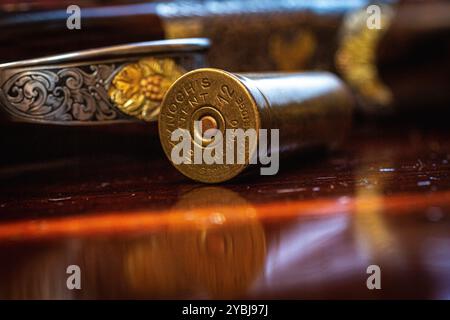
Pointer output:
x,y
309,109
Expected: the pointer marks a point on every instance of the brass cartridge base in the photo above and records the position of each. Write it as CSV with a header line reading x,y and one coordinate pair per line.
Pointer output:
x,y
218,100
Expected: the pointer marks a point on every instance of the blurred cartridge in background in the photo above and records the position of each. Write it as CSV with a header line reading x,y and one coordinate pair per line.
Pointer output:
x,y
310,110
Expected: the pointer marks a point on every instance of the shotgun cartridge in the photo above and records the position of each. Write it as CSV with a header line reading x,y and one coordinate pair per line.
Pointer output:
x,y
309,110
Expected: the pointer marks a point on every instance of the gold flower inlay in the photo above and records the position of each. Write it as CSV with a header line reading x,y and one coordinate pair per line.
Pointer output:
x,y
138,88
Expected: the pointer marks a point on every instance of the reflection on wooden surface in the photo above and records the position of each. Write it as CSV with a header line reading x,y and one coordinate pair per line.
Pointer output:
x,y
214,253
138,229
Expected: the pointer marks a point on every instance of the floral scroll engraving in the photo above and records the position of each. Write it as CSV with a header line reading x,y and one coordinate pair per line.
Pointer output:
x,y
67,94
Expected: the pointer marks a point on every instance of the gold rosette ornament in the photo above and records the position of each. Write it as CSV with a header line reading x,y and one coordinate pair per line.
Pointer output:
x,y
138,88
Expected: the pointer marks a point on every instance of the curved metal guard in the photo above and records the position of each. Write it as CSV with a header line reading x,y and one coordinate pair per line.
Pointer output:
x,y
99,86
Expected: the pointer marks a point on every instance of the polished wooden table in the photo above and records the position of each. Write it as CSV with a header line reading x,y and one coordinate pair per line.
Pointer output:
x,y
107,200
